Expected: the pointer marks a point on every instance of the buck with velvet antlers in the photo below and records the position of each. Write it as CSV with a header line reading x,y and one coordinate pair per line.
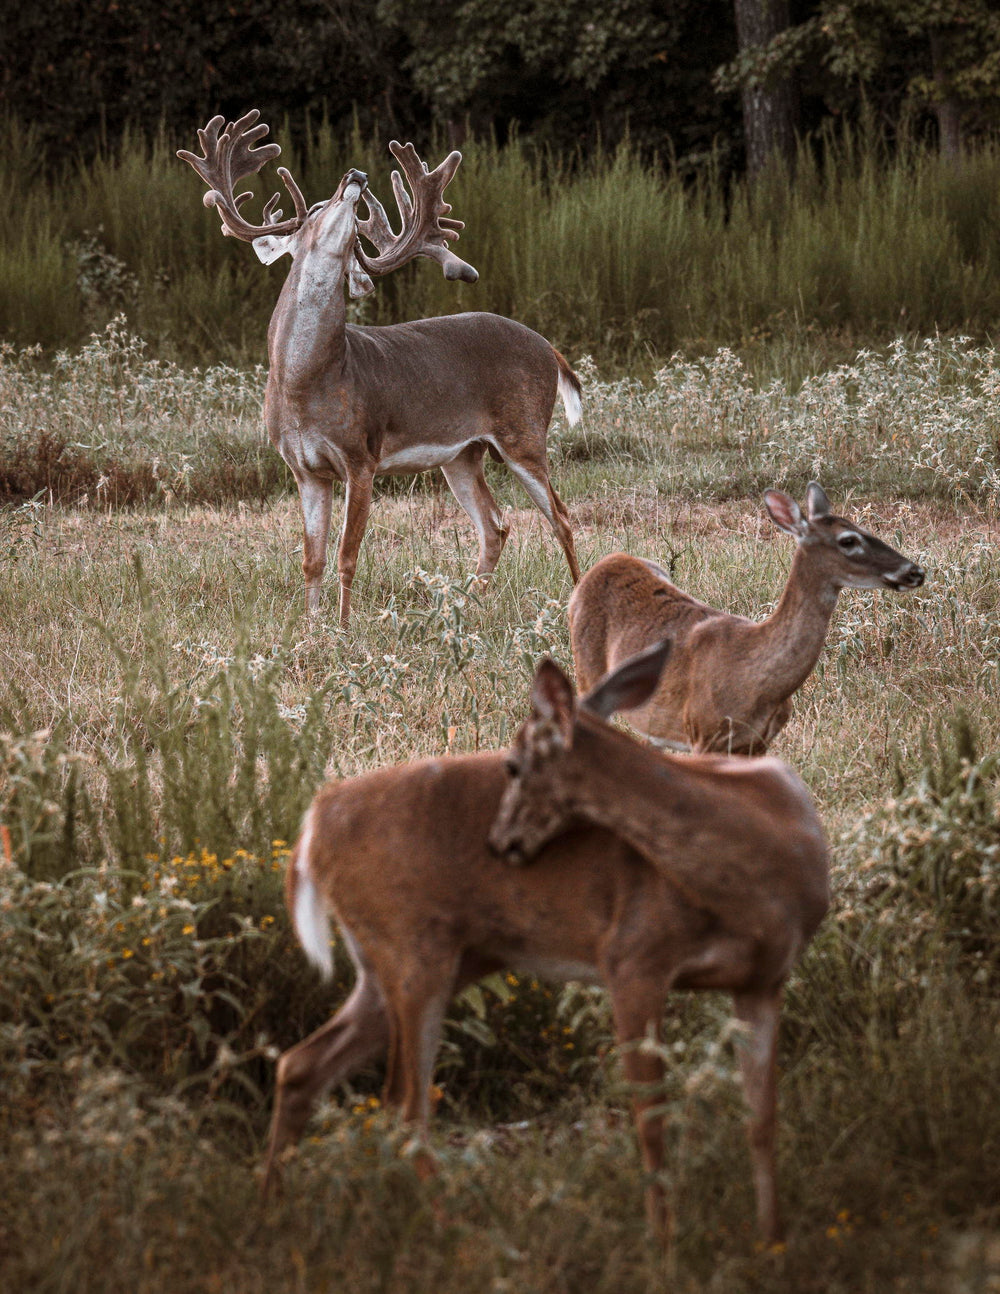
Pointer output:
x,y
352,402
729,681
652,873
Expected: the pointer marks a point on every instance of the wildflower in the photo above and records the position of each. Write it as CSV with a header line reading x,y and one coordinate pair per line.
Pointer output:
x,y
266,921
188,929
127,953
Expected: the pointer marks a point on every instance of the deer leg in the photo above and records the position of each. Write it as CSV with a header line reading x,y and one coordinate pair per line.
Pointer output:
x,y
635,1014
534,477
758,1063
419,1001
357,504
357,1034
465,477
316,498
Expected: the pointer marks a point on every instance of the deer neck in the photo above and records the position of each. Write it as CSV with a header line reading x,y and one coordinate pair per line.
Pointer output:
x,y
786,646
628,789
309,334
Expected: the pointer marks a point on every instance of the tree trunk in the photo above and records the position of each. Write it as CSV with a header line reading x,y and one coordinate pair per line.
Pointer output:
x,y
947,108
769,111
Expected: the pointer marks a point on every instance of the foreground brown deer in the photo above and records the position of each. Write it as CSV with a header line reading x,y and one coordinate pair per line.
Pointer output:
x,y
351,403
663,873
729,681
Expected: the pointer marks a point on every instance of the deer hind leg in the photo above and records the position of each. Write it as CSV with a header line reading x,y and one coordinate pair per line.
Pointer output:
x,y
467,482
534,476
357,1034
316,499
758,1063
357,505
419,999
637,1011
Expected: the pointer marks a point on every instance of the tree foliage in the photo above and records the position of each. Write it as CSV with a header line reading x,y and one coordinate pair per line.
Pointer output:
x,y
667,74
904,59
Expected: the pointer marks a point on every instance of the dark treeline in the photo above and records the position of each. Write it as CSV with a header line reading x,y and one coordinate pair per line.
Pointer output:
x,y
682,78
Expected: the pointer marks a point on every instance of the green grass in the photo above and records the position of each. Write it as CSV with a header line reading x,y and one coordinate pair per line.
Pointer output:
x,y
167,714
607,255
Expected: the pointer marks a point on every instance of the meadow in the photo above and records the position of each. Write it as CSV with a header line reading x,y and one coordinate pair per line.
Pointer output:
x,y
167,713
626,257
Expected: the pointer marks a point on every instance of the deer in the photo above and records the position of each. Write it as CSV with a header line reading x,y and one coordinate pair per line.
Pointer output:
x,y
650,872
729,682
352,402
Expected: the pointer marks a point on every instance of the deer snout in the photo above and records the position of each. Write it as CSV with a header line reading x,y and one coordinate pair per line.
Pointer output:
x,y
353,176
510,848
909,576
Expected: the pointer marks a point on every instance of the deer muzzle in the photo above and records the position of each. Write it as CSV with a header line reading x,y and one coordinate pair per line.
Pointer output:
x,y
909,576
353,176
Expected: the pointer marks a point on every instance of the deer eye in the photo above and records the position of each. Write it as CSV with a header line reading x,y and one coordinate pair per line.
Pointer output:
x,y
850,542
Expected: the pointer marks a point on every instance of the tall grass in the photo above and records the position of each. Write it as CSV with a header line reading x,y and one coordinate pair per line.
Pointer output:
x,y
605,254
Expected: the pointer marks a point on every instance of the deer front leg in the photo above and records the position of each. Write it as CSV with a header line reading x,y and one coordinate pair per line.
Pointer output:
x,y
758,1063
316,498
635,1013
357,504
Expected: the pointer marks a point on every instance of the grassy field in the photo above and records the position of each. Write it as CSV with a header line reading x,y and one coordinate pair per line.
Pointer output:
x,y
611,254
166,715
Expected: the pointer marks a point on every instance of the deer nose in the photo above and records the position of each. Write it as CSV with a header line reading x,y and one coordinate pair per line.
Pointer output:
x,y
514,854
510,850
910,576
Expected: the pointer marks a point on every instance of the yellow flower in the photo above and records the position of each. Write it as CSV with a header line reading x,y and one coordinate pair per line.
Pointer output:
x,y
127,953
188,930
266,921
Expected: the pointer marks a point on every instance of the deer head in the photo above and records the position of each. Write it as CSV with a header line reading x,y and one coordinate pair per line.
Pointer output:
x,y
547,790
852,557
332,227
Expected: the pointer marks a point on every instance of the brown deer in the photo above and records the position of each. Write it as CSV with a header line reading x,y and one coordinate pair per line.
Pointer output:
x,y
729,681
349,402
654,873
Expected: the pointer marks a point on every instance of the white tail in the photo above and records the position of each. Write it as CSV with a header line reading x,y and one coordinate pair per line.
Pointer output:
x,y
352,403
709,873
310,915
729,681
569,390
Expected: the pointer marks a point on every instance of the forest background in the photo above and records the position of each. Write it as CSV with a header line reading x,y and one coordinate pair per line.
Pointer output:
x,y
639,177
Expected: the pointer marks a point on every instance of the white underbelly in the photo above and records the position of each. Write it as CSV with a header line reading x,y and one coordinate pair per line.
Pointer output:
x,y
421,458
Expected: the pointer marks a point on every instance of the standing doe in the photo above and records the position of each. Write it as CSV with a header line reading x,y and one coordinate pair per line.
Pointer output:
x,y
729,681
349,402
663,873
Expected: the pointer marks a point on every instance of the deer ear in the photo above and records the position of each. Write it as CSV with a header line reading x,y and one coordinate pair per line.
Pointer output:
x,y
630,685
817,504
359,284
785,513
552,699
269,247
